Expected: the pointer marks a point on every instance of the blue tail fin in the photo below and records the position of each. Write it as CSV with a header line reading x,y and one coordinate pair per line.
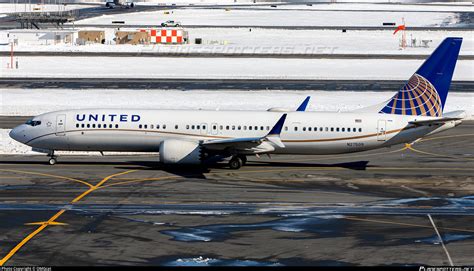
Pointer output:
x,y
426,91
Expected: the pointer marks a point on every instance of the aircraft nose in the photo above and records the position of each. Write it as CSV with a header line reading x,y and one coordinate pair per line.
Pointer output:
x,y
18,134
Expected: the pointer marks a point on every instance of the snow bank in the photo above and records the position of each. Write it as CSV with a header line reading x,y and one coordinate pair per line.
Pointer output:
x,y
460,7
6,8
27,102
263,17
219,68
271,41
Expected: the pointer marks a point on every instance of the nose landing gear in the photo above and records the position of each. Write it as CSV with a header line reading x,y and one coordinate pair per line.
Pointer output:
x,y
53,159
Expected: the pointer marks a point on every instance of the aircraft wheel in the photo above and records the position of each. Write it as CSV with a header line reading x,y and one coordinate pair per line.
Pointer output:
x,y
235,163
52,161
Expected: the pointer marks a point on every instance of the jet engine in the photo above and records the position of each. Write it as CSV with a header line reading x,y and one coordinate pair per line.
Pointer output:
x,y
174,151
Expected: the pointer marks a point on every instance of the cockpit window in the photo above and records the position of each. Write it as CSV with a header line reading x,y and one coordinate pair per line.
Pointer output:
x,y
33,122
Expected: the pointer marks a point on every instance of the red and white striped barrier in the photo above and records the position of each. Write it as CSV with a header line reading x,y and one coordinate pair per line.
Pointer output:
x,y
166,36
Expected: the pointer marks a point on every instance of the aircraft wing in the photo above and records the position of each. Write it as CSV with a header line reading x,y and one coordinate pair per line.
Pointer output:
x,y
247,143
236,143
433,121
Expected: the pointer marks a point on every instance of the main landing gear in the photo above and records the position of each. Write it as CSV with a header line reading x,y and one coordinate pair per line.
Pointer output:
x,y
52,159
237,161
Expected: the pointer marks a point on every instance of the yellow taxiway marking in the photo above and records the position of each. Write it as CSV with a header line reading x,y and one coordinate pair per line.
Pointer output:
x,y
141,180
52,221
443,137
404,224
48,175
438,155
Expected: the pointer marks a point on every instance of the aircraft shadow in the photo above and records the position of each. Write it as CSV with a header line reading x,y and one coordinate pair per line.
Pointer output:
x,y
356,165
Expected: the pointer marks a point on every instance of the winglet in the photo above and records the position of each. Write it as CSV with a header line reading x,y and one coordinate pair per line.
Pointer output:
x,y
274,134
304,104
276,130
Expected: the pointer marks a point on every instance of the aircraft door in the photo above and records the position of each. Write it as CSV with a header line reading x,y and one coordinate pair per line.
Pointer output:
x,y
60,124
381,130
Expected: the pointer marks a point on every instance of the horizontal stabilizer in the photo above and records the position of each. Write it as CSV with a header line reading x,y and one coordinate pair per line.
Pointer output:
x,y
433,121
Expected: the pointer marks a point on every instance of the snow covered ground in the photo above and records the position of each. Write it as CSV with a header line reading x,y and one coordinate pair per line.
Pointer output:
x,y
267,41
6,8
34,102
219,68
374,6
263,17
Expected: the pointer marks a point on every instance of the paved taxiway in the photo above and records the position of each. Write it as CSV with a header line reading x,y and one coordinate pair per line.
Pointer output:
x,y
214,84
366,208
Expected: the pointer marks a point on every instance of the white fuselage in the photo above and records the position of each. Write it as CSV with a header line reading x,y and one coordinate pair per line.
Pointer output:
x,y
144,130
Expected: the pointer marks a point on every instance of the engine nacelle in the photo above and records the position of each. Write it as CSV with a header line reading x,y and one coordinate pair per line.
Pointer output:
x,y
174,151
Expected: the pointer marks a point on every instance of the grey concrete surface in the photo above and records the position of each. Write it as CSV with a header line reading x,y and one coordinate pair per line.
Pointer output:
x,y
366,208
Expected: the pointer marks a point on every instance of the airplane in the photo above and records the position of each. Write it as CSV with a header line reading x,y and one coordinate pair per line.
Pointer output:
x,y
119,3
204,136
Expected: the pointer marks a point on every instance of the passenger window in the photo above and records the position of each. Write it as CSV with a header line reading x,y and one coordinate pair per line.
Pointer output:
x,y
193,127
233,127
157,126
187,127
304,129
204,127
245,128
88,125
296,129
105,126
360,129
176,127
286,128
82,125
145,126
261,128
99,125
268,128
354,130
116,126
250,128
198,127
221,127
239,127
332,129
151,126
214,127
343,129
140,126
255,128
227,127
309,129
77,125
164,126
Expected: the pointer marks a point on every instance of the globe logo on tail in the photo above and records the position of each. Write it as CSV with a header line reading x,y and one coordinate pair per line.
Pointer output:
x,y
417,97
